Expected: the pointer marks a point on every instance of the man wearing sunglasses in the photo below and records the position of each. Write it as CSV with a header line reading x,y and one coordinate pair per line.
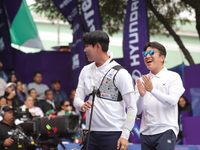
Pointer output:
x,y
158,94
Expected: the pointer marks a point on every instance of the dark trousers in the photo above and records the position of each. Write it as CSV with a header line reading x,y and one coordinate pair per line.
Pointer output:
x,y
162,141
103,140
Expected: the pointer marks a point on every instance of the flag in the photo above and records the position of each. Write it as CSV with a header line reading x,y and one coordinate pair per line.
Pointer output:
x,y
6,53
90,15
69,9
135,36
23,30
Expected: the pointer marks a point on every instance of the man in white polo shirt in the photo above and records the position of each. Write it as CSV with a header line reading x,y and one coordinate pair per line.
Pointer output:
x,y
110,125
158,92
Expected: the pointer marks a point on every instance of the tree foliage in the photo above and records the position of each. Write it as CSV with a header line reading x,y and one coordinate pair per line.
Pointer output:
x,y
162,16
113,12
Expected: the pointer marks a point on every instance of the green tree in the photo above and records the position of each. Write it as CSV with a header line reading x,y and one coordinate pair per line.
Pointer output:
x,y
162,15
195,4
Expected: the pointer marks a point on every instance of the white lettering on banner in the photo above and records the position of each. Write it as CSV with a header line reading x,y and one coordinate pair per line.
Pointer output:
x,y
132,33
134,39
64,3
77,41
136,74
87,12
2,45
75,62
135,62
73,14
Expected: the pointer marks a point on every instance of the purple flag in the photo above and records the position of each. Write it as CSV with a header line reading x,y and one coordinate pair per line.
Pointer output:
x,y
135,37
90,15
77,53
6,54
69,9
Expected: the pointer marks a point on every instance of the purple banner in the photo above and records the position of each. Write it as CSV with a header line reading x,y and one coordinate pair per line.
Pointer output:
x,y
69,9
135,37
6,54
90,15
77,52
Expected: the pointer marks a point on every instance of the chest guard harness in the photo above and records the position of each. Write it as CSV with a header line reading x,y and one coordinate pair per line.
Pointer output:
x,y
107,89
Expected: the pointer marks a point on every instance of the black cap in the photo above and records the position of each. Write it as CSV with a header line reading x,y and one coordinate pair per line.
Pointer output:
x,y
6,108
55,81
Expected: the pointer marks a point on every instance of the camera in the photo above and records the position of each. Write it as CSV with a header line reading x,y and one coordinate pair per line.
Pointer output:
x,y
22,114
64,126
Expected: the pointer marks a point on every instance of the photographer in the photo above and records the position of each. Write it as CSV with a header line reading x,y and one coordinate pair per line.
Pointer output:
x,y
7,127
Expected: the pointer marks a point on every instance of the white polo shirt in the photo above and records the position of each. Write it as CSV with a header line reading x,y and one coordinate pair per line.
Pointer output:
x,y
159,108
107,115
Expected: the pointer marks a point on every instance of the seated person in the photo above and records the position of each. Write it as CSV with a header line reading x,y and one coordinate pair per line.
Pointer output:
x,y
2,73
50,103
2,87
3,101
12,78
10,93
20,91
51,112
183,105
37,103
38,86
65,108
59,95
29,103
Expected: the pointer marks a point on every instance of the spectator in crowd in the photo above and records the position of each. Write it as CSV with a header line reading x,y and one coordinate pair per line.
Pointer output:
x,y
10,94
2,86
9,102
3,101
12,78
183,106
72,95
20,91
158,92
51,112
59,95
38,103
65,108
29,103
82,115
38,85
2,73
50,103
7,126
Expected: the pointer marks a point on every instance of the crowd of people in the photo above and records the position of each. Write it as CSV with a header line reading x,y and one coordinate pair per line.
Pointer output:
x,y
38,98
106,98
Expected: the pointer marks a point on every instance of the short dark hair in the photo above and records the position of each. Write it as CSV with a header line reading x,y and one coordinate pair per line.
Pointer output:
x,y
156,45
1,97
38,72
29,91
95,37
55,81
47,91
